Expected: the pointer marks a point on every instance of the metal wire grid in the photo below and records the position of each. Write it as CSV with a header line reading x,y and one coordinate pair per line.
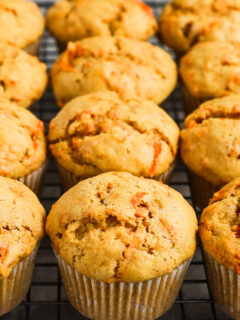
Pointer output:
x,y
46,298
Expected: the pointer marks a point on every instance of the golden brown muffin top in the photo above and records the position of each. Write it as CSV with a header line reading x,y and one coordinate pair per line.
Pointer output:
x,y
210,141
99,132
183,23
21,223
212,69
220,226
21,22
72,20
118,227
130,67
23,78
22,141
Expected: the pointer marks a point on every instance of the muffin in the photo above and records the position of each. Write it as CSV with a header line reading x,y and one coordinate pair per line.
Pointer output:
x,y
123,245
21,24
22,227
220,235
127,66
22,145
210,146
210,70
78,19
185,23
99,132
23,78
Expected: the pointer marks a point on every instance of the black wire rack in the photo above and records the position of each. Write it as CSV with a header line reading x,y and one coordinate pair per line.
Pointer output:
x,y
46,298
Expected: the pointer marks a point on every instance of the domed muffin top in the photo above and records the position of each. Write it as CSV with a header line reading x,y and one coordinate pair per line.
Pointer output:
x,y
23,78
185,23
220,226
118,227
77,19
99,132
22,141
211,69
210,141
21,223
21,22
130,67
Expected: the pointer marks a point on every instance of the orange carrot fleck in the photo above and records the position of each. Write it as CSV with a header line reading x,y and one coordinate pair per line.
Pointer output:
x,y
4,250
157,151
137,199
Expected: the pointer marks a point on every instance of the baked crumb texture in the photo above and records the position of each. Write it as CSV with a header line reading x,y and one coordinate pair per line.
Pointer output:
x,y
220,226
130,67
118,227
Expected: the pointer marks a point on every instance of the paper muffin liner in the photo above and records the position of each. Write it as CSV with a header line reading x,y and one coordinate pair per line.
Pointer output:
x,y
14,288
201,189
69,179
190,103
33,48
62,46
35,179
99,300
224,285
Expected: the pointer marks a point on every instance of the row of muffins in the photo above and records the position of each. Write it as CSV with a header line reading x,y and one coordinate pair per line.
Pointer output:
x,y
87,67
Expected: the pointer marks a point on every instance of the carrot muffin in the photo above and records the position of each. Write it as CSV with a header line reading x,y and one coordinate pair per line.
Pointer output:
x,y
210,70
127,66
99,132
21,228
220,235
23,78
185,23
210,146
122,236
21,24
22,145
78,19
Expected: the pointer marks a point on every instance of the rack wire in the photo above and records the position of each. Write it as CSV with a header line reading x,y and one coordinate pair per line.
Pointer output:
x,y
46,298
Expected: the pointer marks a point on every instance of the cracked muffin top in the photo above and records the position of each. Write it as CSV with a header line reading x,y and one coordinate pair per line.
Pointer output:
x,y
127,66
185,23
99,132
220,226
21,22
23,78
21,223
72,20
211,69
22,141
210,141
118,227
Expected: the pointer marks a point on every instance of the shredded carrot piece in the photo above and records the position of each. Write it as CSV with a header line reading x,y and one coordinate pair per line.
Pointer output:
x,y
137,199
157,151
4,250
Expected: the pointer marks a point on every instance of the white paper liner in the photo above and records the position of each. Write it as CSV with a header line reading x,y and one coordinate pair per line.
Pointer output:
x,y
14,288
35,179
224,285
68,179
98,300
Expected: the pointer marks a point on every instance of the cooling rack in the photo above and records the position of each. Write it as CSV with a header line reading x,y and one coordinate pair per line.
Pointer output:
x,y
46,299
